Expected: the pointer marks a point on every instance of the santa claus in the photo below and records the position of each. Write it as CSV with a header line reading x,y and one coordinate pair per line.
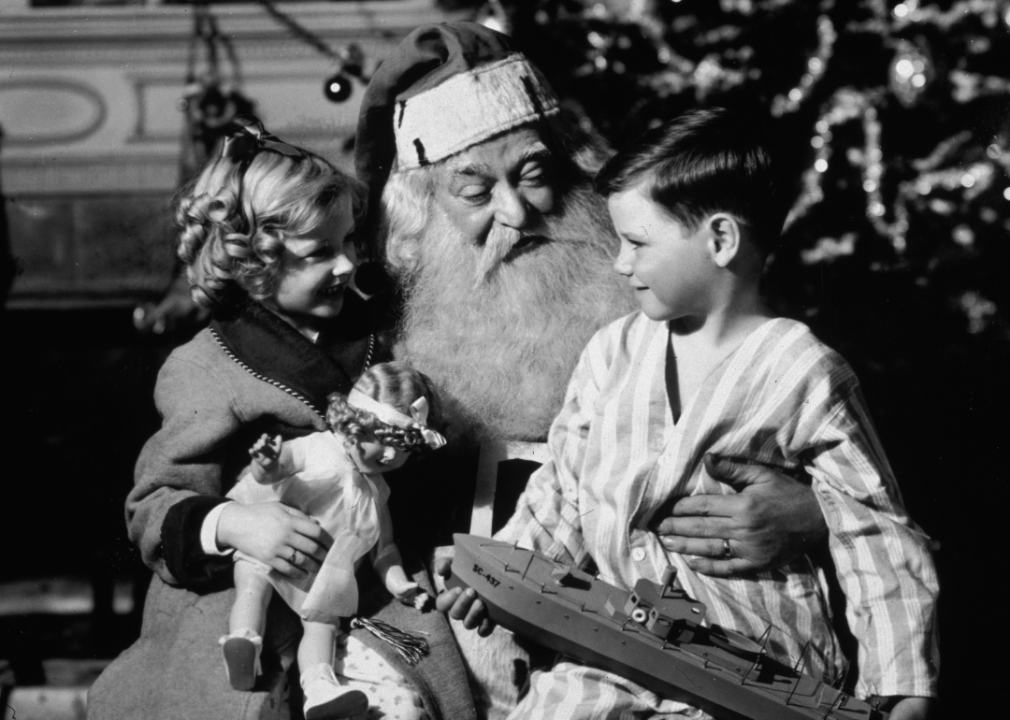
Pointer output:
x,y
481,206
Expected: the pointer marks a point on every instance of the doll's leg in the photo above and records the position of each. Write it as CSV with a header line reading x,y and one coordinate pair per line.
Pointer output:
x,y
242,645
252,595
325,697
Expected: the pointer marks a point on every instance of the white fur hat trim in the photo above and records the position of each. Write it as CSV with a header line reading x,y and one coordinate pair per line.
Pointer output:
x,y
470,108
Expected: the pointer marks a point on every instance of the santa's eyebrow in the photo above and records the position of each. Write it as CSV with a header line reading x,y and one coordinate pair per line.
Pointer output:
x,y
472,169
536,151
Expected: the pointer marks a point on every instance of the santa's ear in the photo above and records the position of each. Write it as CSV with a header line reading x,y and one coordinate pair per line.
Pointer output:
x,y
724,237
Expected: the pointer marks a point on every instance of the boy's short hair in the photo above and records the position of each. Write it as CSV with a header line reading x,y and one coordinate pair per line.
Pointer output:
x,y
234,217
703,162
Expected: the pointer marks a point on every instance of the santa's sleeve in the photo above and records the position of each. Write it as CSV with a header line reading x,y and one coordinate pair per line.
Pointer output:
x,y
882,558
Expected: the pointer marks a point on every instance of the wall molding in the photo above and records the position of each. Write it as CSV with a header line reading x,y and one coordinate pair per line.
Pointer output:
x,y
102,85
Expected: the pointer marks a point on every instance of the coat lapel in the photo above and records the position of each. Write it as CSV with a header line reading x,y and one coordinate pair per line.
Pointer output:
x,y
275,350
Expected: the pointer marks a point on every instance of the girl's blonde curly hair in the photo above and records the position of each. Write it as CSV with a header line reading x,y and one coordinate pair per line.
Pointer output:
x,y
398,385
234,217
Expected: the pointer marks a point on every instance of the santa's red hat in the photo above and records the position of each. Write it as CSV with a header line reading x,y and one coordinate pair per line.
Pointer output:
x,y
444,89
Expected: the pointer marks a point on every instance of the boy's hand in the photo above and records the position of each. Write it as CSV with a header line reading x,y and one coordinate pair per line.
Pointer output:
x,y
462,604
286,539
770,521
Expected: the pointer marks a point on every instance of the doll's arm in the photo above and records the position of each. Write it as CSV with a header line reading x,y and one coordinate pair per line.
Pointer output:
x,y
268,459
389,565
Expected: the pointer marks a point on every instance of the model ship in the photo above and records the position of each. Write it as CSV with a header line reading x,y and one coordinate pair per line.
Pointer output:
x,y
653,636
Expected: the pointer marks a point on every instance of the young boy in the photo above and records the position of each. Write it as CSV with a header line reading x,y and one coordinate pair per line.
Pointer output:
x,y
706,368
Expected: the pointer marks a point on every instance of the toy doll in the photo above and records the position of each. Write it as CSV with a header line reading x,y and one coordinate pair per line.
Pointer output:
x,y
336,479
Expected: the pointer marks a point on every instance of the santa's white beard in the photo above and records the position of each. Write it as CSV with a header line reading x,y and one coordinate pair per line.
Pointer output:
x,y
499,328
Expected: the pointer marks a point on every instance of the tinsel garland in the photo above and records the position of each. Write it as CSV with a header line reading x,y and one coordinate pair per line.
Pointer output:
x,y
409,646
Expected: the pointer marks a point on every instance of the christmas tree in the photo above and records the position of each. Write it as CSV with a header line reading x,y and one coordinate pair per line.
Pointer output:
x,y
896,117
898,113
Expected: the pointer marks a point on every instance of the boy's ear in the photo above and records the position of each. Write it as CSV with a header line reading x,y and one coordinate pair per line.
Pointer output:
x,y
725,238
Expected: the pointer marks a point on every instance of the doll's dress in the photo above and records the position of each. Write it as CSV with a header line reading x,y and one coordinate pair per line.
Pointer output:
x,y
324,483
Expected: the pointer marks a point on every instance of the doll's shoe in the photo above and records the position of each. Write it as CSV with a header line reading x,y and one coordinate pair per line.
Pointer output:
x,y
327,699
242,659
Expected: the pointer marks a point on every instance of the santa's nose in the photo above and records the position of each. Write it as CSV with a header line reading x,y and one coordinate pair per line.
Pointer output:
x,y
511,208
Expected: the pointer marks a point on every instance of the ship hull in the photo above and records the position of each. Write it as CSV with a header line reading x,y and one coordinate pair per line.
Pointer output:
x,y
583,617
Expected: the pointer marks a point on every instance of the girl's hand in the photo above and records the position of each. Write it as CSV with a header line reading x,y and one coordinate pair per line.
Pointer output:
x,y
285,539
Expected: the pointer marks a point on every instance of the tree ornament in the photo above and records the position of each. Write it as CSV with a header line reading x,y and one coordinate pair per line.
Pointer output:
x,y
337,88
910,73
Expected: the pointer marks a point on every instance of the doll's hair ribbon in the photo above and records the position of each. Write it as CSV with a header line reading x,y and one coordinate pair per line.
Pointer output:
x,y
391,416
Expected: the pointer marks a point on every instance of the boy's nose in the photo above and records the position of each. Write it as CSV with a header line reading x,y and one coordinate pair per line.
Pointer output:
x,y
388,453
622,263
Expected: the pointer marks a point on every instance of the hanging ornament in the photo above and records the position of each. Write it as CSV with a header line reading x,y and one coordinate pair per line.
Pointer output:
x,y
211,96
350,60
911,71
337,88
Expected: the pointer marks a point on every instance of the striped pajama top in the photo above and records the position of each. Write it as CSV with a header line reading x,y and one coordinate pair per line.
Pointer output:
x,y
781,398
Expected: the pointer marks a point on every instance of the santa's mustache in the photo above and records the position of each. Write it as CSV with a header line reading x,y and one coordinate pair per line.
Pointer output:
x,y
502,243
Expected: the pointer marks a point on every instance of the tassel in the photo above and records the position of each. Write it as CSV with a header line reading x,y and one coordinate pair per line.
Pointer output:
x,y
409,646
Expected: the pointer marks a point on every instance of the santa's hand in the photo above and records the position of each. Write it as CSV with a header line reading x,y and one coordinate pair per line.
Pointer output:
x,y
460,604
771,520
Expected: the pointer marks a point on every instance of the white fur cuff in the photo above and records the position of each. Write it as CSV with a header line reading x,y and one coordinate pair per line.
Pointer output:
x,y
469,108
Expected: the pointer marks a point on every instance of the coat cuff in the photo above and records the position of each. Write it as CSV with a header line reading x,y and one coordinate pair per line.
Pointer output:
x,y
208,532
182,545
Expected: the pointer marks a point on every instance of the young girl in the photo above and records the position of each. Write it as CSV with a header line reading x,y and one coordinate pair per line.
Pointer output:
x,y
335,478
266,237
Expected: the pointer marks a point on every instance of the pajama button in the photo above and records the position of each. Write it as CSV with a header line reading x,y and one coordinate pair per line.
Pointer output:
x,y
638,554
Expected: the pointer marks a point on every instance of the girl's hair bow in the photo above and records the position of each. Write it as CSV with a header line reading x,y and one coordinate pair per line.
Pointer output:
x,y
247,137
